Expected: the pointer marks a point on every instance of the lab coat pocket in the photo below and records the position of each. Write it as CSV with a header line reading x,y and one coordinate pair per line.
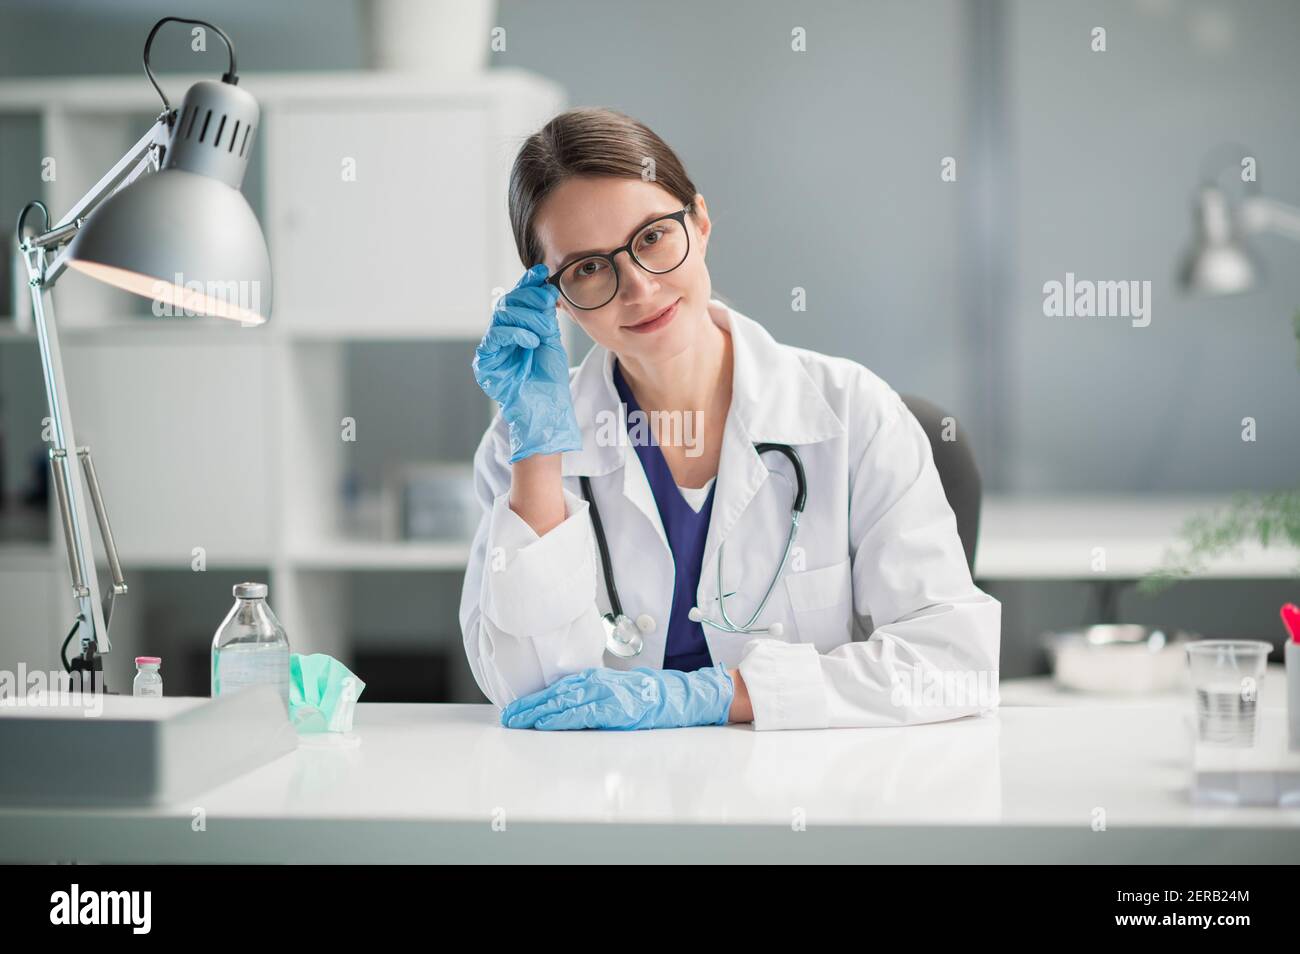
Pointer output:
x,y
821,602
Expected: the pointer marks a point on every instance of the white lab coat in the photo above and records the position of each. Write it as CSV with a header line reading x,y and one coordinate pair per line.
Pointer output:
x,y
877,557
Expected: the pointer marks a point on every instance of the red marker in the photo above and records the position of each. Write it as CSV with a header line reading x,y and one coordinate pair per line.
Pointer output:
x,y
1291,620
1291,659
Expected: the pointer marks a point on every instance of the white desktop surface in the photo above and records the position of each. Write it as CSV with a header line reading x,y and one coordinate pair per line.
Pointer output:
x,y
1043,691
448,783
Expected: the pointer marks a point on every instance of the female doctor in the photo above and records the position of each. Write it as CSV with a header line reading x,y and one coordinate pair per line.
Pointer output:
x,y
634,566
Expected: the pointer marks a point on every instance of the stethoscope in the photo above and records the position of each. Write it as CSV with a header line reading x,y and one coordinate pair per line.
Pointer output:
x,y
622,636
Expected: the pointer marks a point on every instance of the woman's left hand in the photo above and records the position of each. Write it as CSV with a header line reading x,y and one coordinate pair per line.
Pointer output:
x,y
640,698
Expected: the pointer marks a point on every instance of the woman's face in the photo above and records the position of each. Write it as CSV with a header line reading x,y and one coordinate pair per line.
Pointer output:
x,y
588,214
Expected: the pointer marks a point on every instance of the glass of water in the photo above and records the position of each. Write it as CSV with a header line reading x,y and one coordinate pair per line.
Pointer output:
x,y
1227,675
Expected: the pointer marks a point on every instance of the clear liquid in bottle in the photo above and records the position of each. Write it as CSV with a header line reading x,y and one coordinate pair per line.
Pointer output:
x,y
250,647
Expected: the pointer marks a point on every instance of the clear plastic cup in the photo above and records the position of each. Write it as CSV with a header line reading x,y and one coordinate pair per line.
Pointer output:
x,y
1226,676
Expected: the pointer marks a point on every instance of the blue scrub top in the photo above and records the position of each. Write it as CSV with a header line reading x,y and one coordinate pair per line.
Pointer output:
x,y
686,649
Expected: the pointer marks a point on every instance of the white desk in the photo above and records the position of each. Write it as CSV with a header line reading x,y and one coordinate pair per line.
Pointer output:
x,y
1043,691
434,782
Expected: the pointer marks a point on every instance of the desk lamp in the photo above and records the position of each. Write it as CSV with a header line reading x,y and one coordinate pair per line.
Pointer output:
x,y
1219,261
167,222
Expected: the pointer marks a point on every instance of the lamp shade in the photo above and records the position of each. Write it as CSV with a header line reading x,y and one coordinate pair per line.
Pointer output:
x,y
185,235
1218,261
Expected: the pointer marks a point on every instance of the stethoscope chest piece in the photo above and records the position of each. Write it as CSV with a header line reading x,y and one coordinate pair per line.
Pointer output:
x,y
622,638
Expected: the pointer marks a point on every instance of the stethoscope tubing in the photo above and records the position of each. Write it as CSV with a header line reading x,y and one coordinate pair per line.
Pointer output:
x,y
606,565
725,624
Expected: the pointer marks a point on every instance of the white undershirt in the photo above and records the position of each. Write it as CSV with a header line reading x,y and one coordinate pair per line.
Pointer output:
x,y
695,496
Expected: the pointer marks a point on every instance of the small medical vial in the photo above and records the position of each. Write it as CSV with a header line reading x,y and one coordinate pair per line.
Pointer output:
x,y
147,680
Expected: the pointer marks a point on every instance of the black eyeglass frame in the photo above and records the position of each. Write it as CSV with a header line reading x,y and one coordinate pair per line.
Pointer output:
x,y
678,216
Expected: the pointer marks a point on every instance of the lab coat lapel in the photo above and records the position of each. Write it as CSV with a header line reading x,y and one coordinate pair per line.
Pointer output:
x,y
740,474
605,447
772,399
636,488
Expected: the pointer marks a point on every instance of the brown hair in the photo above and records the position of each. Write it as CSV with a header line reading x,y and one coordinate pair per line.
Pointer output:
x,y
585,141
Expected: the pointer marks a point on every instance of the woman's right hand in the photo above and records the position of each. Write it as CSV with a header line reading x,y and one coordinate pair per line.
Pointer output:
x,y
521,364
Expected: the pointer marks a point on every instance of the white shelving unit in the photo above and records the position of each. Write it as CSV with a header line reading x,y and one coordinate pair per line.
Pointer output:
x,y
383,199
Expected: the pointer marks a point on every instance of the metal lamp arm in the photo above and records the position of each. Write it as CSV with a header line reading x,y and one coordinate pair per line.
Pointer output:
x,y
46,256
72,484
1261,214
145,156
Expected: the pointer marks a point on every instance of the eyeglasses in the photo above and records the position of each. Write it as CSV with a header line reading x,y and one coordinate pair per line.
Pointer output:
x,y
658,247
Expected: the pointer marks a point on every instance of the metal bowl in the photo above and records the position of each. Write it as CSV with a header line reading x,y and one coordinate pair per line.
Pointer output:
x,y
1119,659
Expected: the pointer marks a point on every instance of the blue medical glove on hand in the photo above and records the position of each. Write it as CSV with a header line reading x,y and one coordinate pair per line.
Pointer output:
x,y
640,698
521,364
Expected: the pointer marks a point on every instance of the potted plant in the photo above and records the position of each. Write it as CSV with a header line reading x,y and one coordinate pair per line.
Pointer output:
x,y
1271,519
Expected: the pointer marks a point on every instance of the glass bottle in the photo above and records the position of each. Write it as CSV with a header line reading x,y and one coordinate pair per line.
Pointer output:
x,y
250,647
148,681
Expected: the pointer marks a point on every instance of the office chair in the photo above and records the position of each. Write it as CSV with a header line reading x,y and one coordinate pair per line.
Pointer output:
x,y
958,472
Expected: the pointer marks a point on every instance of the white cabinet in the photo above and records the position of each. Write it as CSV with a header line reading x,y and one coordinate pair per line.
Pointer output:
x,y
179,429
379,217
36,609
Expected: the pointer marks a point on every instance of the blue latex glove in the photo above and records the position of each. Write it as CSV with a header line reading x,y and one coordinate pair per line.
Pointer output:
x,y
640,698
521,364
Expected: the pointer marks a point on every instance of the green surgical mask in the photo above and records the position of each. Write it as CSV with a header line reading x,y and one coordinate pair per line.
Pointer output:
x,y
323,693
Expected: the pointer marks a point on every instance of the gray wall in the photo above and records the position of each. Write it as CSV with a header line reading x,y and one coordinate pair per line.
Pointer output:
x,y
1108,147
821,169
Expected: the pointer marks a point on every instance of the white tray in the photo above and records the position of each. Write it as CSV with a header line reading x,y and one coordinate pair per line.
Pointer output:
x,y
122,750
